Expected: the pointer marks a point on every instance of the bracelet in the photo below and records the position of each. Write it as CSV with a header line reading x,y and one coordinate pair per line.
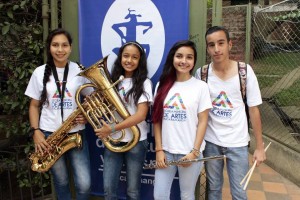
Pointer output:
x,y
157,150
196,152
32,130
112,126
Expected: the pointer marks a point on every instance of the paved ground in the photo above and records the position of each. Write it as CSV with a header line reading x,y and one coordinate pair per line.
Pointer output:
x,y
266,184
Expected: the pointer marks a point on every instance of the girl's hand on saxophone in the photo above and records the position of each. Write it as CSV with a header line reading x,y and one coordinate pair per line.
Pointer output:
x,y
80,119
40,143
38,136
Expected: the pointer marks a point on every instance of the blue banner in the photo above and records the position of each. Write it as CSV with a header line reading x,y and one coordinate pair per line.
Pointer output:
x,y
104,26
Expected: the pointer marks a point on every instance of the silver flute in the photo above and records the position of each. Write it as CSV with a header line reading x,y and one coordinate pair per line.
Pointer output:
x,y
180,162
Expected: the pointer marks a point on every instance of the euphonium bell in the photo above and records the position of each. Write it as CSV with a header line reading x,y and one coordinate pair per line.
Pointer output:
x,y
103,103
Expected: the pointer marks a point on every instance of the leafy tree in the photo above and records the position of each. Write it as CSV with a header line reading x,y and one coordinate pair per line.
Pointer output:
x,y
21,47
292,16
21,52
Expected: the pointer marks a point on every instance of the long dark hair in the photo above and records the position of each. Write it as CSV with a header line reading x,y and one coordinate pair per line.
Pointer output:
x,y
139,75
50,62
168,77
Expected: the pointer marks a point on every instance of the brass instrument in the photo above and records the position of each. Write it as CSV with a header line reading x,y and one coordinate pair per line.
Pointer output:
x,y
181,162
103,103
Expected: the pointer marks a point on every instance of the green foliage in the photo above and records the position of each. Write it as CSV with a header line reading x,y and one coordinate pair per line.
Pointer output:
x,y
21,47
266,80
293,94
273,66
17,163
209,3
293,16
21,43
25,180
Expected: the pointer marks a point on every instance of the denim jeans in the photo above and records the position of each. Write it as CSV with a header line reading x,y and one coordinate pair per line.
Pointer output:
x,y
237,164
79,161
188,177
134,160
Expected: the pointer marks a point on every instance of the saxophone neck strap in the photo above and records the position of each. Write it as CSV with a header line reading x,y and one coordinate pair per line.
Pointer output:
x,y
64,82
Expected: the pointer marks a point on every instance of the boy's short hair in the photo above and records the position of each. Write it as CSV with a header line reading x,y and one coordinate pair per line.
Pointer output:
x,y
214,29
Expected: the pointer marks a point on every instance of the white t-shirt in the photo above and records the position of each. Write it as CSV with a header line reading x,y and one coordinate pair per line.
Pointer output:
x,y
123,87
180,116
227,122
50,119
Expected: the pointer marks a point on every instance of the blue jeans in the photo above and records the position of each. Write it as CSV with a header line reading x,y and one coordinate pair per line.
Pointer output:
x,y
134,160
188,177
237,164
79,161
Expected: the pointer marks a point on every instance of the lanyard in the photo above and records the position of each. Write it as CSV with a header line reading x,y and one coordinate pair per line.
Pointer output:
x,y
61,92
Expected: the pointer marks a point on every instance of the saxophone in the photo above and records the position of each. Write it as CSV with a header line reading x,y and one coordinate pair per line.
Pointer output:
x,y
103,103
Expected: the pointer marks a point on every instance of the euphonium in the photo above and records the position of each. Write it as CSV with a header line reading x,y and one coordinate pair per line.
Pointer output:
x,y
103,103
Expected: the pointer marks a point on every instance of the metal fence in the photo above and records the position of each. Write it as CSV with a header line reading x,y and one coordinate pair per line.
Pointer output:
x,y
276,61
275,58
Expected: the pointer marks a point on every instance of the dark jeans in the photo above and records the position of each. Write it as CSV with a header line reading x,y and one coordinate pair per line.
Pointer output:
x,y
134,160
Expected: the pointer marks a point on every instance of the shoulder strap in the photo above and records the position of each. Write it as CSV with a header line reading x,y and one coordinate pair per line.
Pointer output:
x,y
242,67
80,66
204,72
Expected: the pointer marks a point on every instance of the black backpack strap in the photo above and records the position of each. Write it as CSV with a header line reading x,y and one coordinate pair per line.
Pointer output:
x,y
204,73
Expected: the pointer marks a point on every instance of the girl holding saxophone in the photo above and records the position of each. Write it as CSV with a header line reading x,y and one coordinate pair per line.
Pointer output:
x,y
52,89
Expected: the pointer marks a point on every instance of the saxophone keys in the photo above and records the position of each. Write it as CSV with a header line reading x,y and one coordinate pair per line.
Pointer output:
x,y
35,167
50,158
58,149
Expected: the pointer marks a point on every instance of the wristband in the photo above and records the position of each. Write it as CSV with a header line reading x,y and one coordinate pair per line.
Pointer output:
x,y
112,126
196,152
32,131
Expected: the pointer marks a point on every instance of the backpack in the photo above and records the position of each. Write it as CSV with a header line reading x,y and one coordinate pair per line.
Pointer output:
x,y
242,68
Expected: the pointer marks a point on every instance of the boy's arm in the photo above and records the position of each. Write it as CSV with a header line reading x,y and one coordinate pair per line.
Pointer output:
x,y
259,153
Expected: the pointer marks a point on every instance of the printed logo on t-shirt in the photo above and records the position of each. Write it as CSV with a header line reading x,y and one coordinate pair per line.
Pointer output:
x,y
174,109
67,102
222,106
123,94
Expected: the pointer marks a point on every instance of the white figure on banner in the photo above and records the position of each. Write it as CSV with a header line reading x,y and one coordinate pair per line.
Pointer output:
x,y
128,20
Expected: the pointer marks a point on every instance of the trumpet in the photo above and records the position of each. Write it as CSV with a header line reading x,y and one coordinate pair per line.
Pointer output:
x,y
180,162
